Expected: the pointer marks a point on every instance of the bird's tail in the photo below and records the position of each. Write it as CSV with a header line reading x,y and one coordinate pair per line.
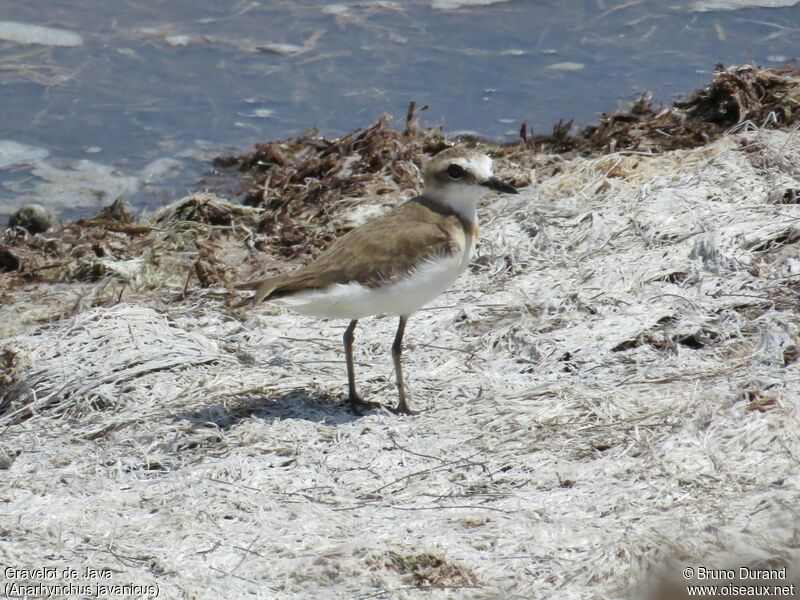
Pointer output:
x,y
263,288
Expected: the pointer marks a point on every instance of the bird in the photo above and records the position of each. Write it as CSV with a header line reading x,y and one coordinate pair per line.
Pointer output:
x,y
396,263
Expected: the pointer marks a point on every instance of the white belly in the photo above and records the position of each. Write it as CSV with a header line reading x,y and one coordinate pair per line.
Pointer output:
x,y
403,297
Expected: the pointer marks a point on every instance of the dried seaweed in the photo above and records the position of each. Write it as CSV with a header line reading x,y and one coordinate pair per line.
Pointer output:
x,y
309,173
185,247
764,96
767,97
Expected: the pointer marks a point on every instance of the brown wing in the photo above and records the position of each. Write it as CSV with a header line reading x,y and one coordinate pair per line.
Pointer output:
x,y
374,253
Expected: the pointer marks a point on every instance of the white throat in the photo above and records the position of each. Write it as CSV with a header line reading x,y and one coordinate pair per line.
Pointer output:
x,y
462,199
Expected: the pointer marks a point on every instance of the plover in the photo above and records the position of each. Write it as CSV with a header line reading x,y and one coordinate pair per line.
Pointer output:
x,y
396,263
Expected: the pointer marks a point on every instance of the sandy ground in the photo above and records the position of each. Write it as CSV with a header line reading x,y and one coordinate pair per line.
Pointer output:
x,y
610,394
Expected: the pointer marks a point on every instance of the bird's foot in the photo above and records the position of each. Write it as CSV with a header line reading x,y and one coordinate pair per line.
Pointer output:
x,y
359,406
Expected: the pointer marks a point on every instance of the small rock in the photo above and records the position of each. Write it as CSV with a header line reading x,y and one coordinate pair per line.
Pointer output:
x,y
35,218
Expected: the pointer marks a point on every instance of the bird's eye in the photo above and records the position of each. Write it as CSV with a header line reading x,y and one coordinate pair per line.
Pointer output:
x,y
455,171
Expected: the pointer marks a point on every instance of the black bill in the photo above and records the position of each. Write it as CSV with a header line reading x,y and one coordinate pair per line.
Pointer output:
x,y
493,183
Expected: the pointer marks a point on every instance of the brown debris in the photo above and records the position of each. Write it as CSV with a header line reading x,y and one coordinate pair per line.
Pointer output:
x,y
8,260
429,570
117,211
768,97
188,245
747,93
7,366
12,384
300,179
66,254
209,268
205,209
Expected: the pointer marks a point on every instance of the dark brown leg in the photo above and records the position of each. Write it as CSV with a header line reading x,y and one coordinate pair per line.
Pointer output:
x,y
356,404
397,352
348,353
121,290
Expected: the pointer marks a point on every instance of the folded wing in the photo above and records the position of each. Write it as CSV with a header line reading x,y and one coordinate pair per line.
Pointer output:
x,y
375,253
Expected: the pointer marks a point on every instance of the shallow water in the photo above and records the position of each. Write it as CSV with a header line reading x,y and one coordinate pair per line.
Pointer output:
x,y
120,85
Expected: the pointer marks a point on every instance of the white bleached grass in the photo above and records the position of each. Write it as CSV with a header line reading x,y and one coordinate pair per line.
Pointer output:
x,y
612,386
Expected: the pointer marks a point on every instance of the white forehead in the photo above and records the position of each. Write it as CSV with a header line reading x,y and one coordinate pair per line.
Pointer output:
x,y
480,164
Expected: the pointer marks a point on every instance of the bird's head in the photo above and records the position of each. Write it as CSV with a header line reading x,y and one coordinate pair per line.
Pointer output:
x,y
460,176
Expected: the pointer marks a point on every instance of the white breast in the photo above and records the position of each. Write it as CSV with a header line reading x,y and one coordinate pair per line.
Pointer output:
x,y
403,297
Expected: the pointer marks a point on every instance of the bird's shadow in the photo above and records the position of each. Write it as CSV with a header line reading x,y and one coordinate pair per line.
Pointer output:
x,y
299,404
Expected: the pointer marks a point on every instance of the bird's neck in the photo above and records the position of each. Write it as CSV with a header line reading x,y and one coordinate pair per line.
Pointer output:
x,y
462,203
